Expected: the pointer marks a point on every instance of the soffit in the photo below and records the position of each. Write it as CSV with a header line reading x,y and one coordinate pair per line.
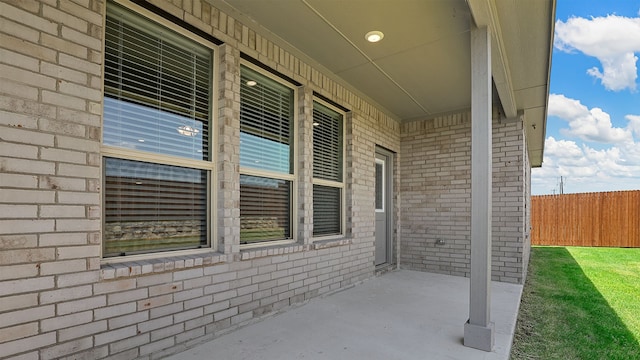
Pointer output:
x,y
422,66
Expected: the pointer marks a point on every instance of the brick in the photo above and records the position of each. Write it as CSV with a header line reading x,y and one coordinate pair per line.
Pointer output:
x,y
18,150
25,285
79,64
27,166
54,98
84,198
23,136
81,305
57,351
129,319
188,294
114,286
34,342
64,18
66,142
164,288
18,180
19,90
62,239
18,271
127,296
19,331
115,335
74,252
55,296
19,211
18,30
25,47
154,324
166,310
16,59
82,330
17,302
78,225
26,315
187,274
81,12
155,302
28,19
62,211
78,117
80,91
27,77
166,332
128,343
157,346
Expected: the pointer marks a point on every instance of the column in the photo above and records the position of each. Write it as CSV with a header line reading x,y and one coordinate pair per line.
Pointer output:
x,y
479,330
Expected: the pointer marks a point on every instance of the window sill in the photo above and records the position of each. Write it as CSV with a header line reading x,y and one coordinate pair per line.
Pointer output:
x,y
144,267
277,249
329,243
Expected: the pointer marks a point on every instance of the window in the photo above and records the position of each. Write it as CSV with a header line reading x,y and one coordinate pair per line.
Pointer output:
x,y
266,158
380,186
156,137
328,168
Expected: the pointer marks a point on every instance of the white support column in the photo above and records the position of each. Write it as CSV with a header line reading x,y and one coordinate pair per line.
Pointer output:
x,y
479,330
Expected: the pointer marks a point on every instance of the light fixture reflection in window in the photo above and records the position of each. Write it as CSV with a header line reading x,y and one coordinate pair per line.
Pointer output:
x,y
187,130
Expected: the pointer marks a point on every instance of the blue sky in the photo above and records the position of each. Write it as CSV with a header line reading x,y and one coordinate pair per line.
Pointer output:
x,y
593,126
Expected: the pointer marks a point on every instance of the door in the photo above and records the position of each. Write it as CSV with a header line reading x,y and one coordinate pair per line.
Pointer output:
x,y
383,194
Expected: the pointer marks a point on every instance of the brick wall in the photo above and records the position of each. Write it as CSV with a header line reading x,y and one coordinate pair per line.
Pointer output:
x,y
58,298
435,193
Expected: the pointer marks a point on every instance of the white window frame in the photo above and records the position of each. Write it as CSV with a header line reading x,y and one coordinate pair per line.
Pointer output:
x,y
334,184
144,156
292,178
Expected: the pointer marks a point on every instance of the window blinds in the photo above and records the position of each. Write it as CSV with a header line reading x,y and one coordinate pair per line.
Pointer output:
x,y
266,123
156,88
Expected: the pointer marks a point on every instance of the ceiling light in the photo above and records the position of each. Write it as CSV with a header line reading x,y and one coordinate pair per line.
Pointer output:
x,y
187,130
252,83
374,36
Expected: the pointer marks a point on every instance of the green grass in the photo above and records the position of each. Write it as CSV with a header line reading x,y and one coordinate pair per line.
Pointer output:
x,y
580,303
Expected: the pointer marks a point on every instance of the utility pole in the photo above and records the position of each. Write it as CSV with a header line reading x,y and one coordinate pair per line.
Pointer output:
x,y
561,186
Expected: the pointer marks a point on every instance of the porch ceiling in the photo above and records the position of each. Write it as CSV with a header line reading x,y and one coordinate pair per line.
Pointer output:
x,y
422,66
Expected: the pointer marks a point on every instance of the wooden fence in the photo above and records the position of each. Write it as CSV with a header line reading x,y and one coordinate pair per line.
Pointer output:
x,y
590,219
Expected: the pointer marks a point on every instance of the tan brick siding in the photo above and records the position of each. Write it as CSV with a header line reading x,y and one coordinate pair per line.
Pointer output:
x,y
435,193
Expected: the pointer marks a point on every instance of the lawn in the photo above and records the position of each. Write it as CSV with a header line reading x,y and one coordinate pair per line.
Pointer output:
x,y
580,303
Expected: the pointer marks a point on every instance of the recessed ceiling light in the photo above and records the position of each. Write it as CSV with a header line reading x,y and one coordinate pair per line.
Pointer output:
x,y
252,83
374,36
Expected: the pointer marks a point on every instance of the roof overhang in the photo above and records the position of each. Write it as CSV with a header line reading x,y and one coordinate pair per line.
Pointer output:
x,y
421,68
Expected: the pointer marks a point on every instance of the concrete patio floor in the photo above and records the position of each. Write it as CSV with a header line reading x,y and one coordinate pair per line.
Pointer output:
x,y
399,315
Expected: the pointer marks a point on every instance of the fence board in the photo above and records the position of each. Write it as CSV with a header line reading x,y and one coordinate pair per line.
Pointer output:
x,y
590,219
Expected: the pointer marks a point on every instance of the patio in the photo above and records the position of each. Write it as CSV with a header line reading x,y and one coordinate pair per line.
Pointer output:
x,y
400,315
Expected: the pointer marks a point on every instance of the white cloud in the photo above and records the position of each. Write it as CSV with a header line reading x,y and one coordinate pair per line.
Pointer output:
x,y
613,40
585,169
588,124
634,124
